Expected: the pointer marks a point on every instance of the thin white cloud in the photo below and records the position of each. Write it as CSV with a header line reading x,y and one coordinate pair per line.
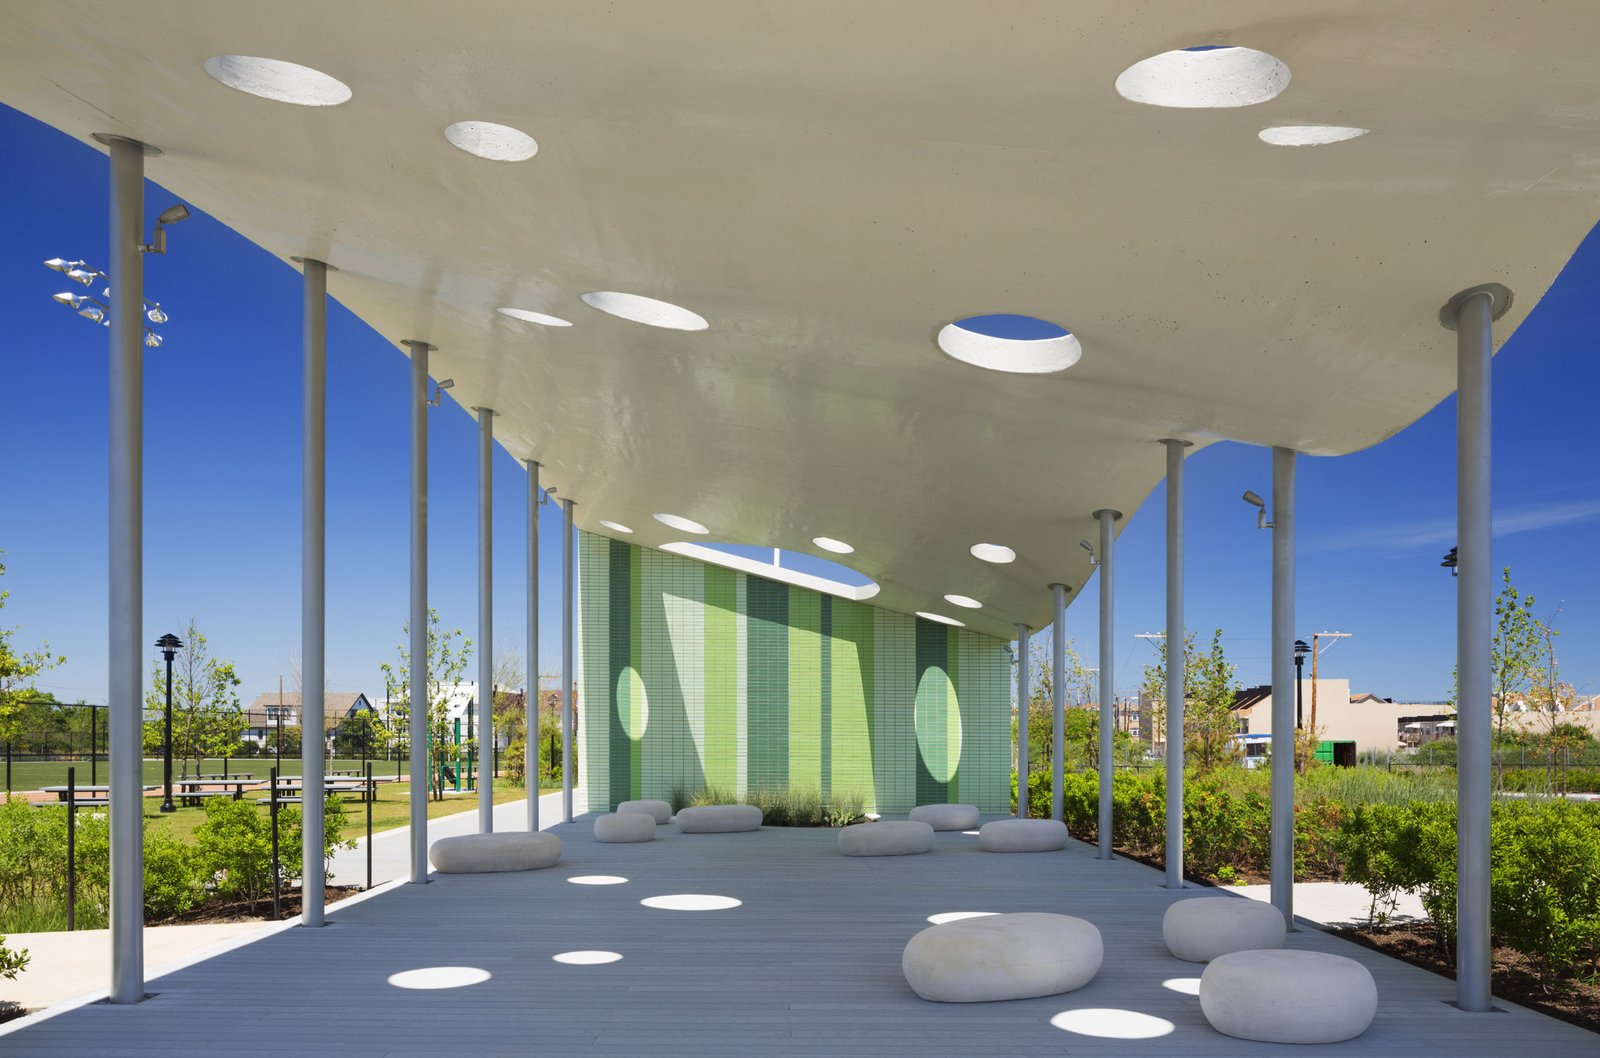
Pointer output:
x,y
1441,532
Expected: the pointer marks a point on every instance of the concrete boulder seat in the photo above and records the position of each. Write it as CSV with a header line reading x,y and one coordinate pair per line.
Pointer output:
x,y
895,838
660,811
622,827
1201,928
1284,996
486,853
1018,956
1023,835
719,819
947,817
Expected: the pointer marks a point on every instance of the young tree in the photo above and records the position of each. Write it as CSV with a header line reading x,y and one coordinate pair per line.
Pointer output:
x,y
1209,722
1154,686
17,672
1041,681
1514,654
1553,699
206,716
447,659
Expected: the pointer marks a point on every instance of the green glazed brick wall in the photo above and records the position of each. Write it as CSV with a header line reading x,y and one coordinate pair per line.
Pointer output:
x,y
693,675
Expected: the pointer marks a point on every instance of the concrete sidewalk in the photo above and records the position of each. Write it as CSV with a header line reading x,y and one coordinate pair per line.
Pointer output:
x,y
1335,903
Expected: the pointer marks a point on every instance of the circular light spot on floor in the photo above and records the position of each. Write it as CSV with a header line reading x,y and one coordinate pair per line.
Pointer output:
x,y
543,319
1189,986
964,600
597,879
997,553
497,143
941,618
956,916
973,833
1209,75
1309,135
690,902
828,543
1014,344
279,81
615,527
587,958
432,977
649,311
683,525
1109,1023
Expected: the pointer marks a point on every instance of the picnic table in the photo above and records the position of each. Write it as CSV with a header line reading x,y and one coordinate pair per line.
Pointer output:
x,y
236,775
192,791
98,795
287,788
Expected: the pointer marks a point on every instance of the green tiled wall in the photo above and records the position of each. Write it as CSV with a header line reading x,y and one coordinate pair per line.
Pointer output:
x,y
694,675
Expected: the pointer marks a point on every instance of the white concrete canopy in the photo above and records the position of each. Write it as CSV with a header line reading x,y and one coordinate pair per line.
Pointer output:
x,y
828,185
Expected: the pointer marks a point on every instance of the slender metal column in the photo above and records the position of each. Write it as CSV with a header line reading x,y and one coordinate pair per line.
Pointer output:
x,y
567,680
417,691
1283,727
1470,314
313,597
1175,661
1023,661
1058,696
485,620
1108,670
126,501
530,699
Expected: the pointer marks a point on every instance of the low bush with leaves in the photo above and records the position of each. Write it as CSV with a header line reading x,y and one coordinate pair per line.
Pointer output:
x,y
782,806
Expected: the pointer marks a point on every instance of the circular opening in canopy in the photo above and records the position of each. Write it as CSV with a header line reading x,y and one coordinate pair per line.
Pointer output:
x,y
1207,75
1005,342
828,543
941,618
649,311
282,82
684,525
1309,135
964,600
997,553
541,318
615,527
497,143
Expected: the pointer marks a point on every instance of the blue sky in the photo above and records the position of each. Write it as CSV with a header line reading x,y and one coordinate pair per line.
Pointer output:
x,y
222,494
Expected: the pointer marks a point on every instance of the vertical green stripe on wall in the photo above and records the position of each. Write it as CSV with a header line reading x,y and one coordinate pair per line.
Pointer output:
x,y
721,674
638,702
768,682
805,690
850,733
825,698
618,690
952,716
932,705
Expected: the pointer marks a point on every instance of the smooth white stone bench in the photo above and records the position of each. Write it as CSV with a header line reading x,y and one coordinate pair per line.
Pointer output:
x,y
1023,835
660,811
624,827
1018,956
485,853
1201,928
719,819
1281,996
897,838
947,817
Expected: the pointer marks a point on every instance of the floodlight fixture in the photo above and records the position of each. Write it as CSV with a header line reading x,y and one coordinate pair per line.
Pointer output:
x,y
154,313
70,300
61,264
96,313
549,494
171,215
438,390
82,276
1261,509
1094,560
152,340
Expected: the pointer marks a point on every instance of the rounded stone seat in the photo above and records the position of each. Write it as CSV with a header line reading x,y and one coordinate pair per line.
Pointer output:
x,y
624,827
1023,835
1201,928
947,817
1284,996
719,819
1017,956
660,811
892,838
486,853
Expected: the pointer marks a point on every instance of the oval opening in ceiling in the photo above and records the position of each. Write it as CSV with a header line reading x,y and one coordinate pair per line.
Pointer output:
x,y
616,527
828,543
1204,76
279,81
543,319
996,553
1007,342
940,618
1309,135
683,525
649,311
964,600
497,143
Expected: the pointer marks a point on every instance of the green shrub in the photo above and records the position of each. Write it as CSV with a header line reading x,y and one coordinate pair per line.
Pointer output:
x,y
1546,883
172,880
234,848
12,962
782,806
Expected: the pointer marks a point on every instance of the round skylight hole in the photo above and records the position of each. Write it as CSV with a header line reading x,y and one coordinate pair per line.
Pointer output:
x,y
964,600
587,958
1021,345
1309,135
497,143
282,82
529,316
649,311
615,527
690,902
997,553
1208,75
685,525
941,618
828,543
432,977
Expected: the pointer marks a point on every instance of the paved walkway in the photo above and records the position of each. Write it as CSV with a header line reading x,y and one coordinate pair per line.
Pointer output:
x,y
1336,903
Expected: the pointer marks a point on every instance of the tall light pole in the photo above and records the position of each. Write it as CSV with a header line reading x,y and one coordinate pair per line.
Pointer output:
x,y
169,645
1301,649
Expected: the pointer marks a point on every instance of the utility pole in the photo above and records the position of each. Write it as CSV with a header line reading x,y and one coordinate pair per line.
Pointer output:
x,y
1315,654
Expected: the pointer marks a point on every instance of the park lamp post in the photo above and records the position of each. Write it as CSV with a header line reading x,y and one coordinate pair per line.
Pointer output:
x,y
169,645
1301,649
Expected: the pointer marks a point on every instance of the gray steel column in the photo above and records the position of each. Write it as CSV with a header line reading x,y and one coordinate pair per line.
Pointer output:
x,y
1283,732
1108,669
530,699
126,502
485,620
1470,313
1023,661
567,674
417,690
313,595
1058,695
1175,661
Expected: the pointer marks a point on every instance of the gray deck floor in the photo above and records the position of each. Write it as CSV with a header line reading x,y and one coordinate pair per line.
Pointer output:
x,y
809,963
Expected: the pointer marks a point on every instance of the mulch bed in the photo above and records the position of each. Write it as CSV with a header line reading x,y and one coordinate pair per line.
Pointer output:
x,y
1515,977
260,910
